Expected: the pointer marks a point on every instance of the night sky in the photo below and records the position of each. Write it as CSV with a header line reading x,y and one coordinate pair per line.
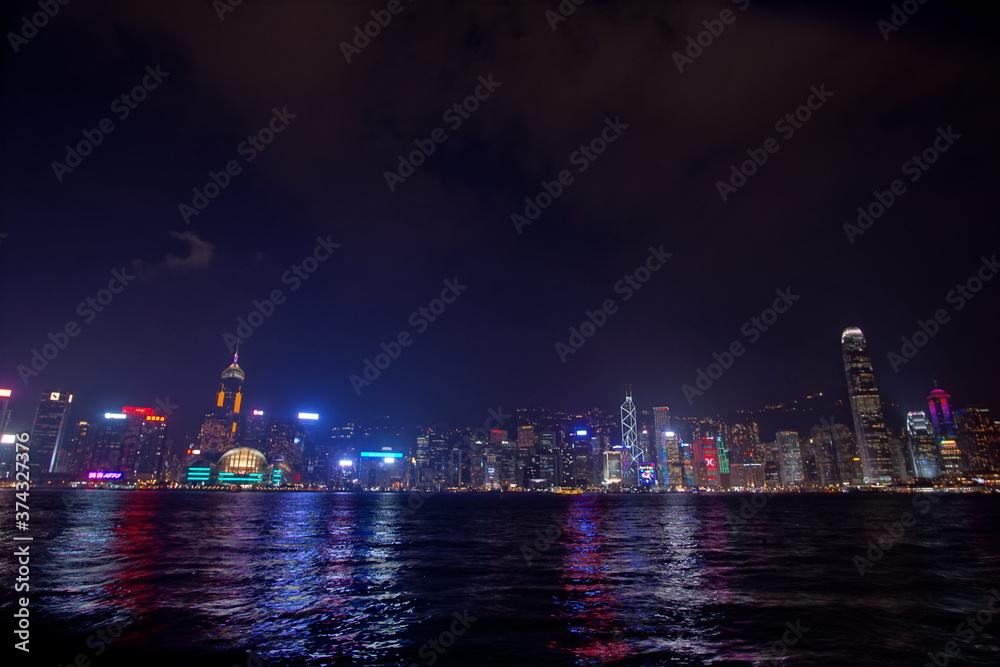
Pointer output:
x,y
343,124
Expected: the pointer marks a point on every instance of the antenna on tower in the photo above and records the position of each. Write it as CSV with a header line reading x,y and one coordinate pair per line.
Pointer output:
x,y
236,356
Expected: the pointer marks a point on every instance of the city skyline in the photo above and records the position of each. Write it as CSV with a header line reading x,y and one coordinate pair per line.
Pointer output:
x,y
649,446
192,416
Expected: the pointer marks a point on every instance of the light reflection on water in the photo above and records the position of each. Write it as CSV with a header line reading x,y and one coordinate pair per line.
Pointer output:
x,y
315,579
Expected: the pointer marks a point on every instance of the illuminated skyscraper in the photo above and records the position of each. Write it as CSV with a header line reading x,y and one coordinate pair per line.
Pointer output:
x,y
8,467
687,465
150,445
725,475
646,428
527,455
230,397
772,466
581,462
316,446
790,462
108,442
706,463
661,420
835,454
613,466
255,431
439,454
508,462
979,439
939,408
866,407
673,471
939,405
744,442
80,447
284,444
922,446
549,461
659,452
422,459
4,410
47,431
132,442
631,453
219,431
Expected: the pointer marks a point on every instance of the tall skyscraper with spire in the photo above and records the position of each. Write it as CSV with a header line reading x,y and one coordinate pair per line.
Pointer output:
x,y
220,430
866,408
230,397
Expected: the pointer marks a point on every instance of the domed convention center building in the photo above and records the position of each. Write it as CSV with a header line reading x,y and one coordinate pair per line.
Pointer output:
x,y
240,466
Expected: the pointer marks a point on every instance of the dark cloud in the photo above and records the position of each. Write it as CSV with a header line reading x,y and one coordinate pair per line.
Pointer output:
x,y
324,174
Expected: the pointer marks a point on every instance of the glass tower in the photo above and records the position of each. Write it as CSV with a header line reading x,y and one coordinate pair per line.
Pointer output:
x,y
47,431
866,408
922,445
